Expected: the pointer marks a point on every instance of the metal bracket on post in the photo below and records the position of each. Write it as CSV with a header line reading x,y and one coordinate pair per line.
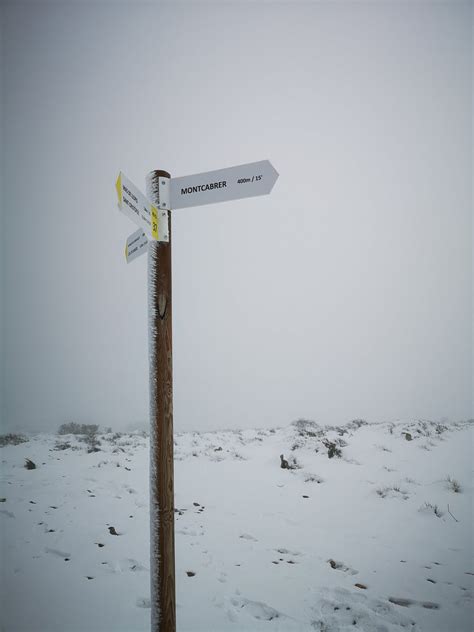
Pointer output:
x,y
164,205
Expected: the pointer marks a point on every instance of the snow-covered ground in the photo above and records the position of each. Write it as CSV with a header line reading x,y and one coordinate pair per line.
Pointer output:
x,y
360,541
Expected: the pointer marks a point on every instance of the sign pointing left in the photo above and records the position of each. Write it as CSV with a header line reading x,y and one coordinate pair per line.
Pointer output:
x,y
136,245
140,210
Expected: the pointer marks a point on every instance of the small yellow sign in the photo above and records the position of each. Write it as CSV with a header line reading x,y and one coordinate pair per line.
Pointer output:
x,y
118,186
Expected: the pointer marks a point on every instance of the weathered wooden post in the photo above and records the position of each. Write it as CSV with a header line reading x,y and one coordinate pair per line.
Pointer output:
x,y
162,569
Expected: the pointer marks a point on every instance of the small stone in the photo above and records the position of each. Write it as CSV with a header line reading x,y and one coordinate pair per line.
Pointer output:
x,y
190,573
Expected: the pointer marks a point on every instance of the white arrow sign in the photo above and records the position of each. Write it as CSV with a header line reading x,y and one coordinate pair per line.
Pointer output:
x,y
233,183
136,245
140,210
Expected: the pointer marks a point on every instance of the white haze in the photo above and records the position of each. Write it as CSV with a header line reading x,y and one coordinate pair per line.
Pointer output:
x,y
344,293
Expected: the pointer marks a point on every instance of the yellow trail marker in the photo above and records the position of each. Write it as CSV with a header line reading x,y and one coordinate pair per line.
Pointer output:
x,y
118,186
141,211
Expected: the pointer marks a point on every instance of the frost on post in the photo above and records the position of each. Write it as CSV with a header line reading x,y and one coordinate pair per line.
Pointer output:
x,y
154,506
162,575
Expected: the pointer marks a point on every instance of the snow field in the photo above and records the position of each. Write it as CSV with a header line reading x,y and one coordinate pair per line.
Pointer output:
x,y
363,540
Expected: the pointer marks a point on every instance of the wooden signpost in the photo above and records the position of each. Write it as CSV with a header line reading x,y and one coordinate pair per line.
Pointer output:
x,y
151,214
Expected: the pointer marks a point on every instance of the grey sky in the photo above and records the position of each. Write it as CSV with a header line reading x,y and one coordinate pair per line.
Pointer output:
x,y
344,293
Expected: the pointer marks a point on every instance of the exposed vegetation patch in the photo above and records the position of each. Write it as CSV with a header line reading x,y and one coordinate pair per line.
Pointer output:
x,y
12,439
78,429
453,485
392,492
333,449
430,508
86,433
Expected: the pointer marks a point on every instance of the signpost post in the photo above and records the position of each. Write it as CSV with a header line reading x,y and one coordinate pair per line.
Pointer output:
x,y
152,215
163,606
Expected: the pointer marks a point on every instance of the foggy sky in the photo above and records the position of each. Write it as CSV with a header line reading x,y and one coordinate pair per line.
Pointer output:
x,y
345,293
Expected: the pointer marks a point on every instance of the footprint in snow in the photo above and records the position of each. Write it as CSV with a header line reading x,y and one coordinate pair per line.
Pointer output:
x,y
256,609
406,603
247,536
340,566
340,609
143,602
287,552
189,531
124,566
57,553
10,514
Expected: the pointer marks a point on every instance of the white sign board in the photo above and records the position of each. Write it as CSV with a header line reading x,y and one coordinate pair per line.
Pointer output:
x,y
233,183
136,245
140,210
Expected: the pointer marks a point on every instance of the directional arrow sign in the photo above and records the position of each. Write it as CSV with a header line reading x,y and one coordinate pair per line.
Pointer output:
x,y
233,183
136,206
136,245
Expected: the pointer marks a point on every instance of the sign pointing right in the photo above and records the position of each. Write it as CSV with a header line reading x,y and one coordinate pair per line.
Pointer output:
x,y
233,183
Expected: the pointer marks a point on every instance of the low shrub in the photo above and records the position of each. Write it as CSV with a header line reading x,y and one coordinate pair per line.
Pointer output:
x,y
12,439
78,429
430,508
453,485
333,450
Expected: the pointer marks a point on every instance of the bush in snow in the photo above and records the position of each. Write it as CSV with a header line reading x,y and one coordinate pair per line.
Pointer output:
x,y
12,439
393,492
87,433
333,450
453,485
313,478
290,464
93,443
307,428
357,423
430,508
78,429
62,445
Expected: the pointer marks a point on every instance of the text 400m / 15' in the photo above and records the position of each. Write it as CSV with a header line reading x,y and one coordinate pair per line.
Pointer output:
x,y
252,179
